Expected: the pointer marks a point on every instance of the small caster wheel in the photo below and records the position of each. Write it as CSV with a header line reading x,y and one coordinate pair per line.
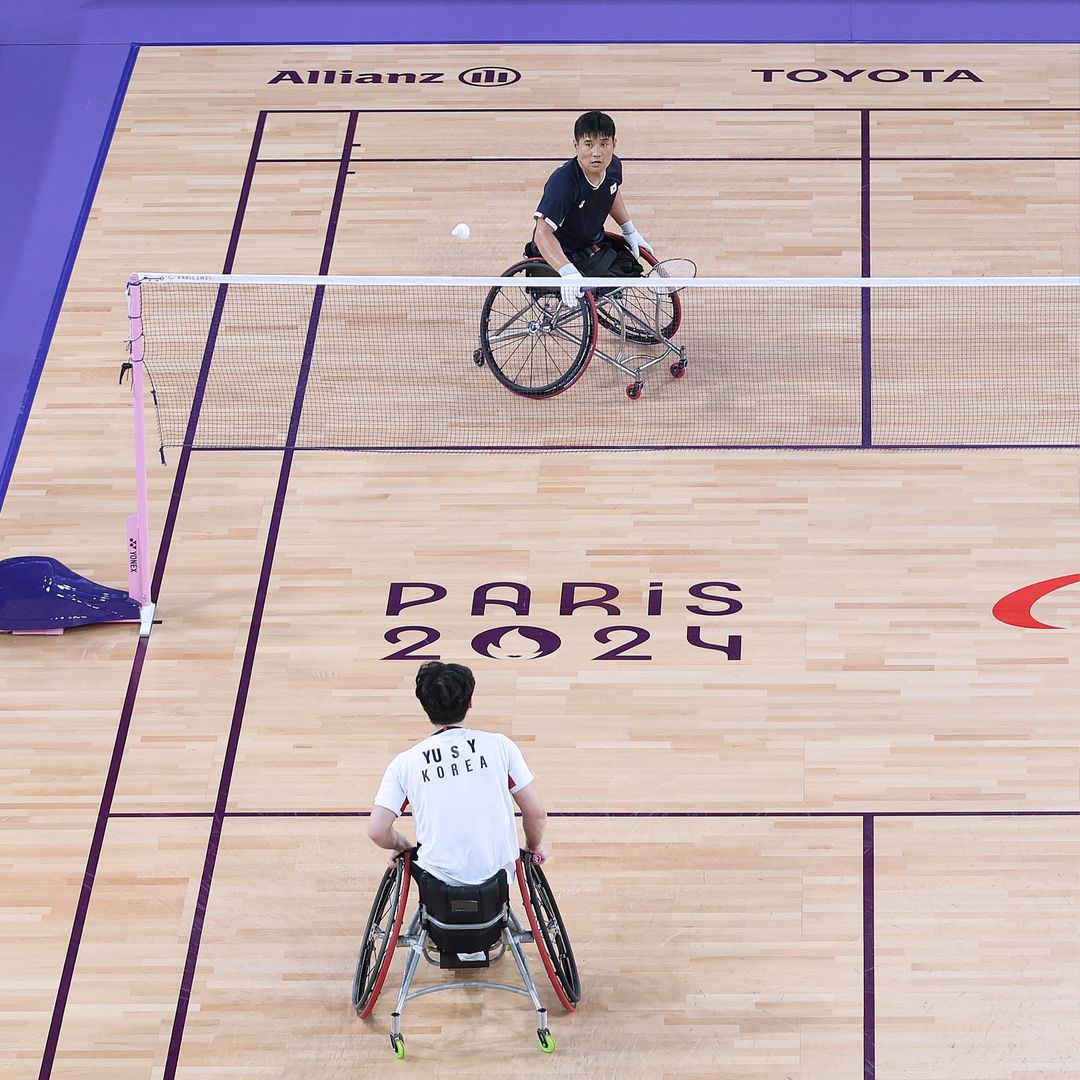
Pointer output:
x,y
547,1040
398,1043
678,369
478,357
633,391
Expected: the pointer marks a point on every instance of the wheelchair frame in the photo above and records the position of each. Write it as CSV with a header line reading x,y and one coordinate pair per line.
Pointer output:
x,y
545,318
383,934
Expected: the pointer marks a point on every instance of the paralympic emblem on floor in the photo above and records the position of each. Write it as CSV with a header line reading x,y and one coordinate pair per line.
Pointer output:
x,y
1014,608
516,643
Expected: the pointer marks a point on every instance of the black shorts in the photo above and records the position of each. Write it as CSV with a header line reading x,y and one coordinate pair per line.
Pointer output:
x,y
609,258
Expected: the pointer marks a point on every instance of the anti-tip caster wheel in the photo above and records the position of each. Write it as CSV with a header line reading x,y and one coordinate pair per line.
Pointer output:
x,y
547,1040
633,391
398,1044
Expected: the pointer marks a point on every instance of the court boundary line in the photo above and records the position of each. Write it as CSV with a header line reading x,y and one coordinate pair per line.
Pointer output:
x,y
645,160
622,448
647,814
869,985
866,327
705,109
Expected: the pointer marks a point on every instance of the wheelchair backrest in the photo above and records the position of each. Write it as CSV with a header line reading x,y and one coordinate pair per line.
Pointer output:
x,y
463,918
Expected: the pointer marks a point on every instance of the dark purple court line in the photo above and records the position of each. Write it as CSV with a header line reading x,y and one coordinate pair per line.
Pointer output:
x,y
93,860
496,160
869,1033
880,157
229,761
546,160
109,791
860,814
717,109
632,448
866,389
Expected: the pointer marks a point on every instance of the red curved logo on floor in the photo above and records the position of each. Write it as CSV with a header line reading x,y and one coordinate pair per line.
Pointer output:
x,y
1015,609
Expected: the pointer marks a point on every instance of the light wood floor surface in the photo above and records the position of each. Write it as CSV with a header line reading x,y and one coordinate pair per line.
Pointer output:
x,y
873,679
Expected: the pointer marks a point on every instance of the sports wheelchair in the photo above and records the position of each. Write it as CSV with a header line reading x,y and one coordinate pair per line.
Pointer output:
x,y
462,927
538,347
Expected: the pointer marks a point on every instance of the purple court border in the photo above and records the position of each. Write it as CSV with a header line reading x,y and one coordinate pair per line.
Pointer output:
x,y
866,390
869,1004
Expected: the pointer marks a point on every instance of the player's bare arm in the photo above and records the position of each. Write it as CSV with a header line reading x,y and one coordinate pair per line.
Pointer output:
x,y
381,830
533,818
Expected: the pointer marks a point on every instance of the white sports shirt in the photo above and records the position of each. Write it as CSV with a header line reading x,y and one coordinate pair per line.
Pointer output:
x,y
458,783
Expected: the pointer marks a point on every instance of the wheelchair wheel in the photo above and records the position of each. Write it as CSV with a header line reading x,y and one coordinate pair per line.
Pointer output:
x,y
380,936
534,345
549,933
641,305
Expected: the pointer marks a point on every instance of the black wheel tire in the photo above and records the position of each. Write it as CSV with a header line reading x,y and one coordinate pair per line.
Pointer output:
x,y
545,302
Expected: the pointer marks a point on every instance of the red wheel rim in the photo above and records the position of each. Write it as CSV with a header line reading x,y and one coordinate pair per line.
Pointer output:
x,y
541,945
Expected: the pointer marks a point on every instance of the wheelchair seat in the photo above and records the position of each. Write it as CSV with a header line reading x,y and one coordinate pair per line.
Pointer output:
x,y
463,919
451,920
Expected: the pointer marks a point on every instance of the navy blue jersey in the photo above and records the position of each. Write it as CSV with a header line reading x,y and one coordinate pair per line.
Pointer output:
x,y
574,208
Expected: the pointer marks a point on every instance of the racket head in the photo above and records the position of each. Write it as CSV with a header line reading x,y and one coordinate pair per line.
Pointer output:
x,y
672,268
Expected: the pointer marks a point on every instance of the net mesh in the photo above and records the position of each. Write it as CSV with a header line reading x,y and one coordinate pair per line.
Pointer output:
x,y
364,365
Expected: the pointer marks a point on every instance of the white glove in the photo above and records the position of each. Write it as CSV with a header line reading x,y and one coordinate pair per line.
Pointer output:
x,y
635,240
570,293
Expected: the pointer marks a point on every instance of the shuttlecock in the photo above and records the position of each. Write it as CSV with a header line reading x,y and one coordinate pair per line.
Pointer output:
x,y
461,231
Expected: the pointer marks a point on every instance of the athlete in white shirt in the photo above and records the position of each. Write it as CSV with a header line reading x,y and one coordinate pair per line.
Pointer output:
x,y
461,785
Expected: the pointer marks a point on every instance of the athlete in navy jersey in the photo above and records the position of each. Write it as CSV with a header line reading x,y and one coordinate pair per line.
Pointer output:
x,y
578,198
574,208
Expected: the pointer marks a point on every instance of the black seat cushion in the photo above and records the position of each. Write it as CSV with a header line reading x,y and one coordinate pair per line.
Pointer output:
x,y
463,909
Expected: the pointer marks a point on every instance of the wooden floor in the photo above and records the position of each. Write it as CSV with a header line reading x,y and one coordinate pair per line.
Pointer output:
x,y
847,846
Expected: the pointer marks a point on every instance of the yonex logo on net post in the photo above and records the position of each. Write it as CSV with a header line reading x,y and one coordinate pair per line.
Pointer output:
x,y
489,76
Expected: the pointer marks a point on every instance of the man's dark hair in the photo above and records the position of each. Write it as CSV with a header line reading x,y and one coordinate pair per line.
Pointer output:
x,y
445,691
594,123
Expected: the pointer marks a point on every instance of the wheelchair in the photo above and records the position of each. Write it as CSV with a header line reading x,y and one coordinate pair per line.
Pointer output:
x,y
463,927
538,347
